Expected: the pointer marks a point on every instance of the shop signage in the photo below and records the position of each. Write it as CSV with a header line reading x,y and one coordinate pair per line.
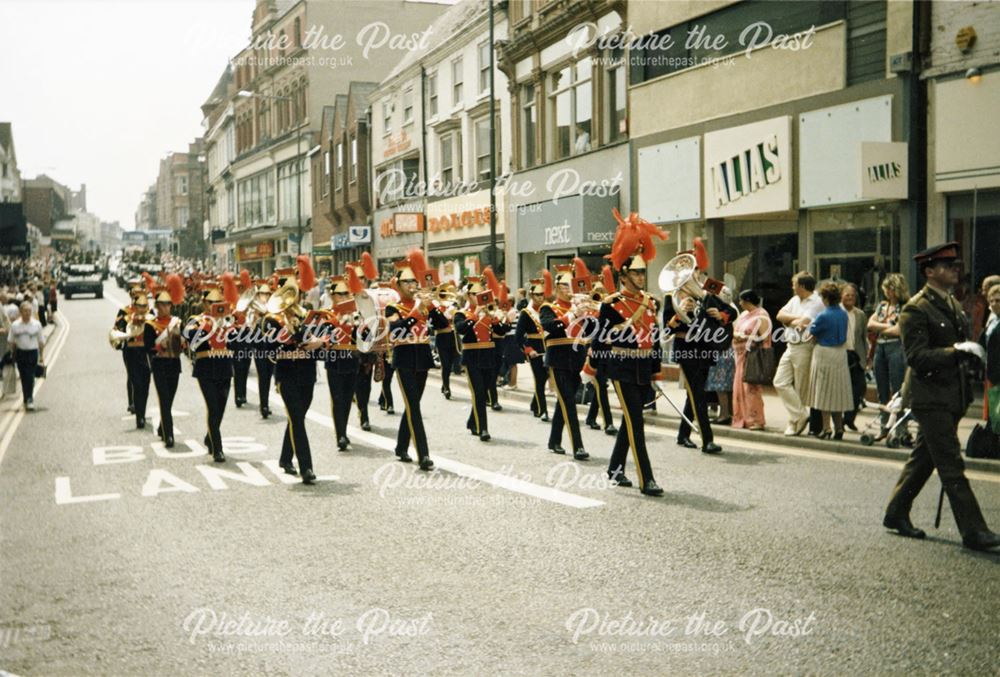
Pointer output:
x,y
401,223
359,234
883,171
748,169
396,145
257,250
340,241
579,221
463,218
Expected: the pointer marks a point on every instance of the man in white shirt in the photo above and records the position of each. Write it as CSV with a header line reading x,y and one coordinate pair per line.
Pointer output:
x,y
791,380
27,337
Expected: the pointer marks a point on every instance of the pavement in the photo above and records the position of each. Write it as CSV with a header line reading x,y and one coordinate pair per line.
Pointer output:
x,y
776,417
121,557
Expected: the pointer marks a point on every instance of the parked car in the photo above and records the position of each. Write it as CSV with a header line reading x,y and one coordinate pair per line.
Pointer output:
x,y
82,278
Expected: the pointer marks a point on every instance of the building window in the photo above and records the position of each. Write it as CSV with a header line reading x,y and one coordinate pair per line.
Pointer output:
x,y
397,181
408,107
614,97
288,184
570,107
326,173
354,159
256,199
339,175
298,32
432,94
182,185
484,67
456,83
182,217
386,117
447,160
529,125
482,138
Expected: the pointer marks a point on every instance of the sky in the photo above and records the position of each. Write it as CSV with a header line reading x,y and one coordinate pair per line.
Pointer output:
x,y
98,91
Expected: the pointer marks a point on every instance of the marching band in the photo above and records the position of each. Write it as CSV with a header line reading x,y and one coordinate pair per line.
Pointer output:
x,y
576,330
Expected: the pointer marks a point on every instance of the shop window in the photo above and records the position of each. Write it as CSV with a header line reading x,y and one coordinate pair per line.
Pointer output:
x,y
762,257
570,105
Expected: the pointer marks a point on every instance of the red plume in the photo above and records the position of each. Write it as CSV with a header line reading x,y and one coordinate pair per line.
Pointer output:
x,y
580,268
608,279
491,281
548,290
307,276
504,293
701,254
229,290
150,282
354,283
368,268
417,262
175,287
245,281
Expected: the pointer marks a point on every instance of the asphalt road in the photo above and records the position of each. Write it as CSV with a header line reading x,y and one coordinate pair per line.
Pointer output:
x,y
121,557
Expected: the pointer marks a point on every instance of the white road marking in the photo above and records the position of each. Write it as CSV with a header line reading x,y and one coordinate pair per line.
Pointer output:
x,y
498,480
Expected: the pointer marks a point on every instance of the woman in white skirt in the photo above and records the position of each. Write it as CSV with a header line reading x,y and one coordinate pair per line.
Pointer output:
x,y
830,376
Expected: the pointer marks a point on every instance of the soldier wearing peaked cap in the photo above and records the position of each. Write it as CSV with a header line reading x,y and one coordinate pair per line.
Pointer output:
x,y
162,341
127,334
411,356
939,354
531,339
262,361
629,348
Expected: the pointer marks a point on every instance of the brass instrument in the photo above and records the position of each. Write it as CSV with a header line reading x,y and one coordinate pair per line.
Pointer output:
x,y
135,327
285,301
678,279
371,305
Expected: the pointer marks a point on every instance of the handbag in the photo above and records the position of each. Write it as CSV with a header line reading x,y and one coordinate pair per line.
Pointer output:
x,y
760,365
983,443
40,370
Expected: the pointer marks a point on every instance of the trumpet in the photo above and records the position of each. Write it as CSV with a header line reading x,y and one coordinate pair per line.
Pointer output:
x,y
587,301
133,329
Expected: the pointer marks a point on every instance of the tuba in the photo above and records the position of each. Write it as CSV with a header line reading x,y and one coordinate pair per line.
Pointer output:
x,y
678,279
286,300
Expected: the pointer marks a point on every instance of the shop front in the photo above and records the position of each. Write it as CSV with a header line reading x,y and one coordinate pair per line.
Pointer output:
x,y
347,246
257,257
399,229
458,235
967,170
553,232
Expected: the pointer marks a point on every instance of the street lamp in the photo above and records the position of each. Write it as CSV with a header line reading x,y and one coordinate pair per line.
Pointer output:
x,y
246,94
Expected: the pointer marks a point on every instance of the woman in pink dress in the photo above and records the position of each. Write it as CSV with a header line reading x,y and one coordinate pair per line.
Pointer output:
x,y
753,324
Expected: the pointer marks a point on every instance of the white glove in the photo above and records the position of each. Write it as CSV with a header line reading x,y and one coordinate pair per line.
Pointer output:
x,y
972,348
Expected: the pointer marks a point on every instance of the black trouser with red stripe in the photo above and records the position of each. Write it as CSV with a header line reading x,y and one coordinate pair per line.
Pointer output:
x,y
342,386
412,382
696,407
297,398
385,397
566,382
137,367
448,352
631,434
600,404
265,370
241,370
478,422
538,405
166,373
216,392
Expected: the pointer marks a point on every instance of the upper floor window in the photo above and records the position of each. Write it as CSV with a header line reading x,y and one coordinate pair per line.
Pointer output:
x,y
569,108
338,176
484,67
615,124
326,173
482,139
456,83
432,94
408,106
386,117
354,159
529,125
451,159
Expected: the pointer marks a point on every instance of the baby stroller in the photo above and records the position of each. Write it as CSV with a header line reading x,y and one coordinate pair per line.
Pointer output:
x,y
896,430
